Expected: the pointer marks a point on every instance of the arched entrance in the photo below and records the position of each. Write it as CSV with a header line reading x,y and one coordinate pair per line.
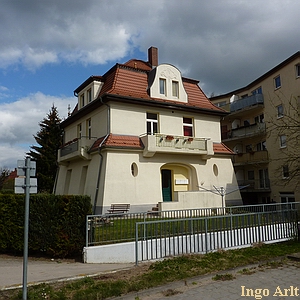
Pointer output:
x,y
174,178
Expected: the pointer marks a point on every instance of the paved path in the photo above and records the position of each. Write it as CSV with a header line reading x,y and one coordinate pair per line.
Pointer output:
x,y
266,283
42,270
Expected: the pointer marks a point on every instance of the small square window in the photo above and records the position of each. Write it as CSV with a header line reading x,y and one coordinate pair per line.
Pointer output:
x,y
175,89
162,86
282,141
277,82
279,111
285,171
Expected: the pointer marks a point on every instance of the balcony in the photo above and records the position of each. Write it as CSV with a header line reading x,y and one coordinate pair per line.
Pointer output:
x,y
163,143
246,102
256,185
251,158
244,132
75,149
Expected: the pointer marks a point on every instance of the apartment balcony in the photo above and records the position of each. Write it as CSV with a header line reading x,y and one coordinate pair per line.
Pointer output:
x,y
244,132
254,186
256,157
247,102
163,143
75,149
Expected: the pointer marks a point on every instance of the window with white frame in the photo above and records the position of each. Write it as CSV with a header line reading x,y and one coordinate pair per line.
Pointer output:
x,y
175,89
187,126
277,82
89,95
285,171
152,123
82,100
162,86
282,139
279,111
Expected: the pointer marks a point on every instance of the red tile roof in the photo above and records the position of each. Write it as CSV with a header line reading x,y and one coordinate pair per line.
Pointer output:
x,y
118,141
222,149
131,80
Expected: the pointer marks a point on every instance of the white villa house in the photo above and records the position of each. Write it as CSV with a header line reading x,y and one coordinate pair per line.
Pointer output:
x,y
144,135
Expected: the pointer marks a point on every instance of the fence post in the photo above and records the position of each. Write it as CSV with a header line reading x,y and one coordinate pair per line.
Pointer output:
x,y
298,228
206,240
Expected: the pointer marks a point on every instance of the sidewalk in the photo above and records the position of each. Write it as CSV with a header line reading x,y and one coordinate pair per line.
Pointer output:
x,y
42,270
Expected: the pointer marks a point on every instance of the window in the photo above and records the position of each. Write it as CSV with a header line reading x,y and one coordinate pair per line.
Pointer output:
x,y
89,95
82,100
251,175
257,91
287,197
221,104
152,123
277,82
264,178
175,89
285,171
259,119
282,141
162,86
79,131
187,126
134,169
279,111
261,146
298,70
89,128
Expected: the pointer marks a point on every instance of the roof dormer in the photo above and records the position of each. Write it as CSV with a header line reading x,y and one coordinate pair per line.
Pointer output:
x,y
165,82
88,91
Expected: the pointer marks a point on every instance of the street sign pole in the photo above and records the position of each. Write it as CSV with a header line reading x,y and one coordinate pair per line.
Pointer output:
x,y
26,226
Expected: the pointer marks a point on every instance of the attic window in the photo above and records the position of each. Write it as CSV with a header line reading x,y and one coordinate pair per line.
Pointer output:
x,y
175,89
162,86
82,100
89,95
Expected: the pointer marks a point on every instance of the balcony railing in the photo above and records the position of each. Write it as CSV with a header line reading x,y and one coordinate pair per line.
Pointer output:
x,y
245,131
176,144
75,149
246,102
251,158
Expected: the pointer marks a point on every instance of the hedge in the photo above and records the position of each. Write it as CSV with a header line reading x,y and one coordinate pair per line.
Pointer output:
x,y
56,224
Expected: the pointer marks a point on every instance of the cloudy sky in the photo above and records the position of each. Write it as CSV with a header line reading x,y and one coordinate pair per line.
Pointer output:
x,y
49,47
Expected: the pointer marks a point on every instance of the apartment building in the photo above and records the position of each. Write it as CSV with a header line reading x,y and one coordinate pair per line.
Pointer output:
x,y
144,135
262,129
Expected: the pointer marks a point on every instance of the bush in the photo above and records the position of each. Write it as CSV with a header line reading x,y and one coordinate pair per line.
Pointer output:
x,y
56,224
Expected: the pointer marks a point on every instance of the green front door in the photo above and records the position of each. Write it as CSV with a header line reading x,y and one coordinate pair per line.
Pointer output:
x,y
166,183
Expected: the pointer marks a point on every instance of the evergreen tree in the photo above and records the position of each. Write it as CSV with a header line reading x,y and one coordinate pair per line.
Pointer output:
x,y
49,139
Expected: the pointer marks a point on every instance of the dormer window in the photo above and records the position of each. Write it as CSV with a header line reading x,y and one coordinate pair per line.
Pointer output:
x,y
162,86
175,89
89,95
165,82
82,100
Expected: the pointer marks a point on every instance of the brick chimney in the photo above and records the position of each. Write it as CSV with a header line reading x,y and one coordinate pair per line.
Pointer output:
x,y
153,56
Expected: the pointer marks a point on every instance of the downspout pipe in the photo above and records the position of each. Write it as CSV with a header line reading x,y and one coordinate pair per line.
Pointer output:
x,y
101,156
